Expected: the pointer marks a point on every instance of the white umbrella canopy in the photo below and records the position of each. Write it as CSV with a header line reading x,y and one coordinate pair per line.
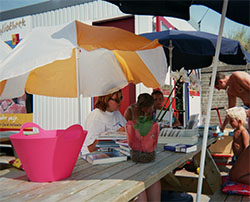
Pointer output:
x,y
4,50
78,59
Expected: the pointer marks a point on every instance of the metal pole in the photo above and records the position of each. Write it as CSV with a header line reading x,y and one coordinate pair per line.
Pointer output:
x,y
79,96
205,135
170,48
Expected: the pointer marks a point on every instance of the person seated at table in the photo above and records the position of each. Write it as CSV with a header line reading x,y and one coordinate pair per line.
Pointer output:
x,y
237,118
240,172
144,107
165,194
158,101
105,117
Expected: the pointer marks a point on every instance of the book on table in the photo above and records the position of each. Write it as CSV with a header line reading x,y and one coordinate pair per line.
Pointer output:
x,y
125,148
106,144
104,157
124,152
112,136
122,142
184,148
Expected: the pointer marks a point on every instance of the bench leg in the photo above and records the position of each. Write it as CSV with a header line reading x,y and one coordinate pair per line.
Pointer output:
x,y
211,171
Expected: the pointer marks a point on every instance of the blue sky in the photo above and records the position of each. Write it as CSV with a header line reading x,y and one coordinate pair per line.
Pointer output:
x,y
210,22
12,4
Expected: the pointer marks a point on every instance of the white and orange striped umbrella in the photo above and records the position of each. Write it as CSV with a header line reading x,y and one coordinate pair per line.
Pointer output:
x,y
73,59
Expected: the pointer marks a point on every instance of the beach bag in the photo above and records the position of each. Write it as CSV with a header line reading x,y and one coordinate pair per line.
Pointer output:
x,y
48,155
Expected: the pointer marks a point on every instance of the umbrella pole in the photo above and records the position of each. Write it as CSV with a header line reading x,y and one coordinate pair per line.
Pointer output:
x,y
211,90
78,87
170,47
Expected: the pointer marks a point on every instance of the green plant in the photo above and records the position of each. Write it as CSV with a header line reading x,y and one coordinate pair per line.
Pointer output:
x,y
143,124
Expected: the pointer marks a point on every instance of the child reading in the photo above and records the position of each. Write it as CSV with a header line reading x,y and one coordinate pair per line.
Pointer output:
x,y
144,107
237,117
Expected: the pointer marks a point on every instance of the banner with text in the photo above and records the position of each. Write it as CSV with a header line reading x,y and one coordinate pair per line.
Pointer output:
x,y
14,121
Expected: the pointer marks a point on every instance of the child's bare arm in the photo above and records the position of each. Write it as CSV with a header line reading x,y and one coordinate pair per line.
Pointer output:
x,y
245,138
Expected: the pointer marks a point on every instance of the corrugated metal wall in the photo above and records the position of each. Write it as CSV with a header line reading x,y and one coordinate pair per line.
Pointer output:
x,y
59,113
92,11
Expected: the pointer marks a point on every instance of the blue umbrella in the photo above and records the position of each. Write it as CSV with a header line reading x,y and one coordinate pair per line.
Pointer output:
x,y
195,49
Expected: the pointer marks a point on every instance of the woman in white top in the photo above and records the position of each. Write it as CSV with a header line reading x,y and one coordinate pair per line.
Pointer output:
x,y
105,117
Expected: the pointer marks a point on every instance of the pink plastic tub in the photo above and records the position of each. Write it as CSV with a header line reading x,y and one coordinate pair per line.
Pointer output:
x,y
49,155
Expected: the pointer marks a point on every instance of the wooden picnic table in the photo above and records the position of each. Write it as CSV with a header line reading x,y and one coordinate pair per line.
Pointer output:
x,y
107,182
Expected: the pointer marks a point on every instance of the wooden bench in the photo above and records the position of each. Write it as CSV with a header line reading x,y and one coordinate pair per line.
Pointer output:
x,y
211,181
220,197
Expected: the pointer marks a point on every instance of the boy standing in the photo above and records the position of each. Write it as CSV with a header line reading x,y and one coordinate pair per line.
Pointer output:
x,y
236,85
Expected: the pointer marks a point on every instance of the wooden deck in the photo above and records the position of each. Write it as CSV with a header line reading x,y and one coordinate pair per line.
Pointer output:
x,y
219,196
108,182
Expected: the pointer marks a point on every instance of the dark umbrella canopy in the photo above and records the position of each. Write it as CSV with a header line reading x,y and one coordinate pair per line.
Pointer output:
x,y
238,10
194,49
177,8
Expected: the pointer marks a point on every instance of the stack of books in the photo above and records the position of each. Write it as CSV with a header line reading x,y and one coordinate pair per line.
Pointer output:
x,y
112,136
113,141
123,147
106,145
108,151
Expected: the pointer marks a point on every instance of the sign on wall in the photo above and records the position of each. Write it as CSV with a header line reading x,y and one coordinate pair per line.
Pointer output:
x,y
15,29
14,121
15,112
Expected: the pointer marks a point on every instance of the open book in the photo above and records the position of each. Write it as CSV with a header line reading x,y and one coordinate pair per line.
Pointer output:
x,y
104,157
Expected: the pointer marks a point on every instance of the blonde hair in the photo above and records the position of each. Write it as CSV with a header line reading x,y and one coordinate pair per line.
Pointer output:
x,y
237,113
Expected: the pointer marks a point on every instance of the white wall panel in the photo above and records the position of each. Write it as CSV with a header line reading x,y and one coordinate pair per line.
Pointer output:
x,y
143,24
59,113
